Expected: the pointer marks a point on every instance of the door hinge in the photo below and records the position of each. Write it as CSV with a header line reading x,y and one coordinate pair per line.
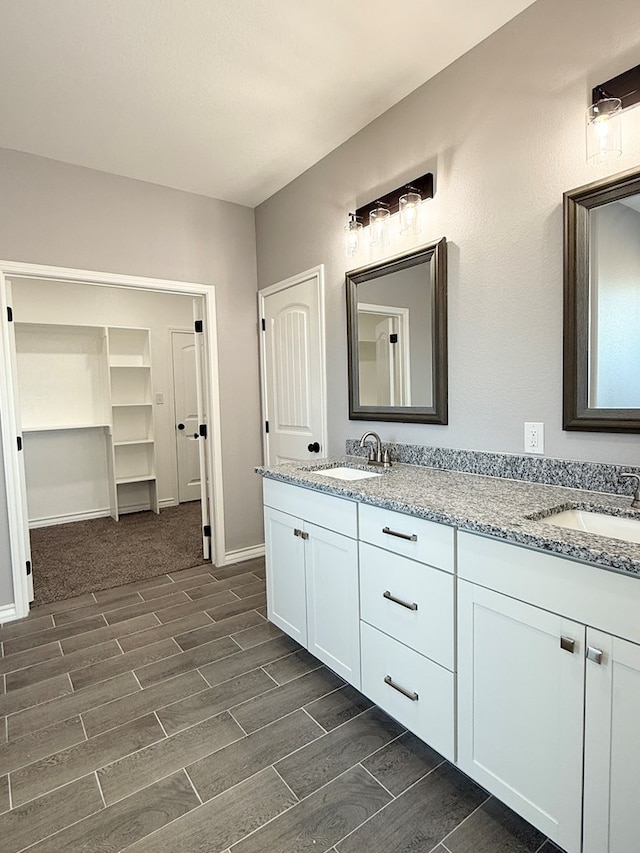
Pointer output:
x,y
28,567
19,439
264,325
207,530
9,313
266,426
202,429
393,339
198,325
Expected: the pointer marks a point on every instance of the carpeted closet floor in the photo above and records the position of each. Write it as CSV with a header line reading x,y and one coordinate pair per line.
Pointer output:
x,y
71,559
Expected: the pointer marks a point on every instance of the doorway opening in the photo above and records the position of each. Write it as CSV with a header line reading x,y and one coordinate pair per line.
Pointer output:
x,y
94,400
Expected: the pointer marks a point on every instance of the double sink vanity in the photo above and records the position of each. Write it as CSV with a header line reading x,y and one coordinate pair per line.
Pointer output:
x,y
482,617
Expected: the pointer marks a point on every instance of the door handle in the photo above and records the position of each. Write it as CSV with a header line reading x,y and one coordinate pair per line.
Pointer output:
x,y
314,447
410,694
408,605
410,537
180,426
595,655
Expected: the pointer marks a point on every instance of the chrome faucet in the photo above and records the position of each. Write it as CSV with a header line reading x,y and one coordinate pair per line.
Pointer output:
x,y
376,455
635,503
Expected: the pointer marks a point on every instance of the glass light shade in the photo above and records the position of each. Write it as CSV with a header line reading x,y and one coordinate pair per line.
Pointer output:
x,y
604,130
379,227
352,235
410,213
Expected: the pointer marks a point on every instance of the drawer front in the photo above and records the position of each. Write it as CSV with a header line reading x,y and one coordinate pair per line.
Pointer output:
x,y
417,538
428,710
324,510
409,601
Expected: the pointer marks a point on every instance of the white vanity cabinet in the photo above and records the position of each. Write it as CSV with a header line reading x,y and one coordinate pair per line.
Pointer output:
x,y
612,745
548,695
312,573
407,593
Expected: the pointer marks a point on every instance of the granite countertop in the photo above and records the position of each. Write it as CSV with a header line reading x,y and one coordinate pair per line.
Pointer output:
x,y
507,509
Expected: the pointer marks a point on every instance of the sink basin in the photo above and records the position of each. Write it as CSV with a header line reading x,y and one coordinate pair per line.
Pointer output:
x,y
344,473
614,526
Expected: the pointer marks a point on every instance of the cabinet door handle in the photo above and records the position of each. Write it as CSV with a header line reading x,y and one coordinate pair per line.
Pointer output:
x,y
389,597
408,693
300,533
410,537
568,644
594,654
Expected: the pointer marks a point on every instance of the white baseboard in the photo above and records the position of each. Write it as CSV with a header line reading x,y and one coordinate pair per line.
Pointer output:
x,y
68,519
243,554
8,613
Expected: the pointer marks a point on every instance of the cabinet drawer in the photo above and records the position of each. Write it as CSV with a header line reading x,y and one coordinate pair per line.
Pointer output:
x,y
428,711
388,583
326,511
425,541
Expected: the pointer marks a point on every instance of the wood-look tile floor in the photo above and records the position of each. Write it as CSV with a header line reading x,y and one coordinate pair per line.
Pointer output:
x,y
168,716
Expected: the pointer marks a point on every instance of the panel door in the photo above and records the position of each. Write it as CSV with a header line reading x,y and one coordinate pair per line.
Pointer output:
x,y
612,745
286,585
333,601
520,708
186,415
293,370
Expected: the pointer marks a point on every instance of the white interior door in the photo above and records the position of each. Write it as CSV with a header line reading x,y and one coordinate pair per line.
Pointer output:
x,y
293,368
185,402
202,409
15,479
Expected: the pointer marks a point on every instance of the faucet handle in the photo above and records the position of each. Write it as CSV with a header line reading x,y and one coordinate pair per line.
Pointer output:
x,y
629,475
371,456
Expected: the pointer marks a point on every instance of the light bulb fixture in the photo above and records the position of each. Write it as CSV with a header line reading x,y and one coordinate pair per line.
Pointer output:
x,y
352,235
604,116
604,130
379,226
409,210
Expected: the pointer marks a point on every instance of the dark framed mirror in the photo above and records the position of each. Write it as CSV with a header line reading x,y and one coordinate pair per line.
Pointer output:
x,y
602,305
397,338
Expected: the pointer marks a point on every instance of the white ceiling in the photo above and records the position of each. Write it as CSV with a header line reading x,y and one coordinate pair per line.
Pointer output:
x,y
228,98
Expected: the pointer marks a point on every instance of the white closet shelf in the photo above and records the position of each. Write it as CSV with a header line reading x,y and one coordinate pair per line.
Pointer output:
x,y
129,366
131,405
143,478
54,427
134,441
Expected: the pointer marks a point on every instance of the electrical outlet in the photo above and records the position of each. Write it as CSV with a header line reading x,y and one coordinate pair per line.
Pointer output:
x,y
533,438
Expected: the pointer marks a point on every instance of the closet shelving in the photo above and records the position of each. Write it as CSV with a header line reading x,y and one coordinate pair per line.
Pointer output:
x,y
76,378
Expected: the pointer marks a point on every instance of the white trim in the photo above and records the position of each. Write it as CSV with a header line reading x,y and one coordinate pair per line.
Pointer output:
x,y
292,281
243,554
8,613
17,524
401,314
50,520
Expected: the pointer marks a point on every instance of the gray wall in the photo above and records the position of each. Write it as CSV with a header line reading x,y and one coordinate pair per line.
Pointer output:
x,y
6,579
62,215
503,131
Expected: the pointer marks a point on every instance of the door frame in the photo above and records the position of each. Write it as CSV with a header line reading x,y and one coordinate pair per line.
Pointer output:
x,y
18,525
402,316
292,281
174,330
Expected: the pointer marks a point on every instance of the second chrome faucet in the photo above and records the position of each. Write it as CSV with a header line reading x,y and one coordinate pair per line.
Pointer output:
x,y
376,455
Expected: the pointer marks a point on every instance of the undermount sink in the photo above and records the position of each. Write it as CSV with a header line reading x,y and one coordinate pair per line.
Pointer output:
x,y
344,473
627,529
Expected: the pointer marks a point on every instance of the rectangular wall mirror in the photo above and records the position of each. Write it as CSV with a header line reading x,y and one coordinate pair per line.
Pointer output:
x,y
602,306
397,338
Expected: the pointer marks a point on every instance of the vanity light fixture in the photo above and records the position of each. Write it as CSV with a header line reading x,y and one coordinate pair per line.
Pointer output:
x,y
352,235
406,200
379,226
604,116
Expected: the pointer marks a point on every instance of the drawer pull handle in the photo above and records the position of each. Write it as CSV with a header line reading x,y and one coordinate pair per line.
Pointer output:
x,y
567,644
408,693
389,597
300,533
410,537
594,654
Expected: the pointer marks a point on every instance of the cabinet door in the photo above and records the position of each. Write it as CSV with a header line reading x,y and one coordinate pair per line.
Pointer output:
x,y
333,601
520,708
612,745
286,587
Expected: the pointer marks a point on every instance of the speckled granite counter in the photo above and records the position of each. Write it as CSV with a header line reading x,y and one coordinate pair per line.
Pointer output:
x,y
507,509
